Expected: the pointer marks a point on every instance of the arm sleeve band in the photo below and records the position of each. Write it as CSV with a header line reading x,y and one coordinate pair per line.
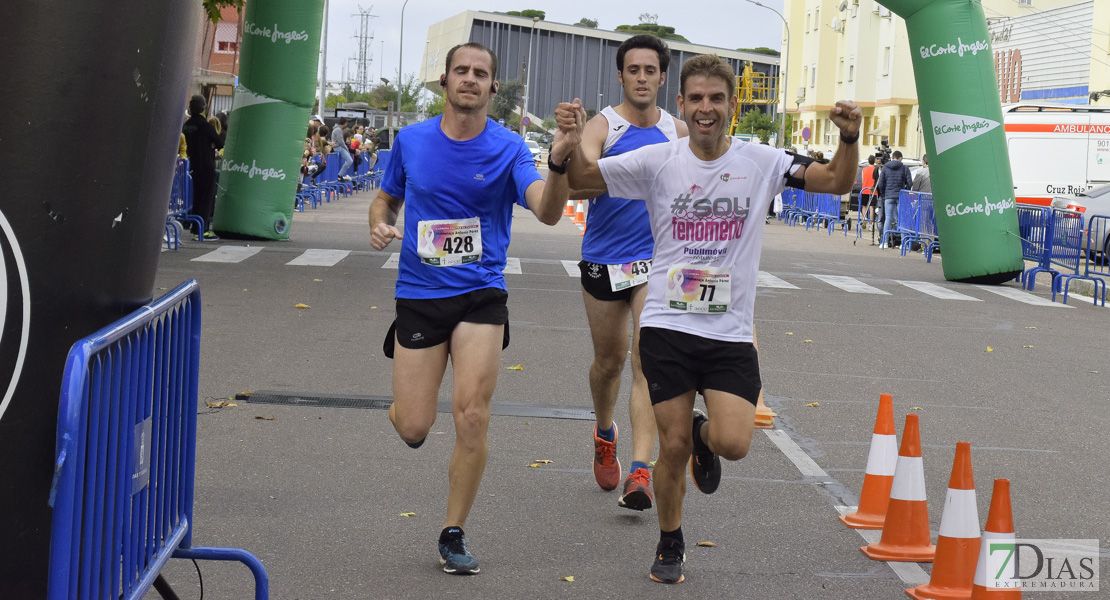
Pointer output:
x,y
799,161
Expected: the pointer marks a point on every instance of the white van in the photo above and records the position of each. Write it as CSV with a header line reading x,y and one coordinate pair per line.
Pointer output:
x,y
1056,149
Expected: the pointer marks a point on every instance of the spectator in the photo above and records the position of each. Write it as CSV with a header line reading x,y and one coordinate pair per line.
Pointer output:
x,y
868,193
222,116
921,181
182,148
340,146
894,178
202,141
315,121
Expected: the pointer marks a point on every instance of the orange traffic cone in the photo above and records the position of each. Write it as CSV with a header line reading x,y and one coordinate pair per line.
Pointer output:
x,y
958,542
583,232
906,530
569,210
579,214
764,417
1000,528
879,475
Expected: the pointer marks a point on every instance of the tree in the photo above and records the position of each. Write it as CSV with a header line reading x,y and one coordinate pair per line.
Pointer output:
x,y
506,102
549,123
757,123
435,107
660,31
591,23
334,100
212,8
649,19
760,50
530,13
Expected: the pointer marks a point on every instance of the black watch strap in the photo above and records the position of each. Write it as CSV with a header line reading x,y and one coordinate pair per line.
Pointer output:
x,y
560,169
849,140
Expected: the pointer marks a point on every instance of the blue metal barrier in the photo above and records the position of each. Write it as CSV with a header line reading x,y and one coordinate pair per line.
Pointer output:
x,y
828,212
1068,251
1035,230
1096,255
125,455
927,225
181,203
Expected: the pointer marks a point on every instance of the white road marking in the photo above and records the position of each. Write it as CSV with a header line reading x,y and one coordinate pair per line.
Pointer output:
x,y
910,573
850,284
1020,296
229,254
936,291
767,280
315,257
512,266
391,262
571,267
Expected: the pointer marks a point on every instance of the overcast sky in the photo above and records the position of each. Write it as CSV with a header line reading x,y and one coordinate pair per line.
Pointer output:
x,y
722,23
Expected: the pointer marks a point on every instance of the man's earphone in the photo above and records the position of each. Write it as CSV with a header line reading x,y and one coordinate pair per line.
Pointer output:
x,y
443,84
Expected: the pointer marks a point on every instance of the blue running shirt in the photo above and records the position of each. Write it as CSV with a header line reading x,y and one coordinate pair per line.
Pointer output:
x,y
618,230
441,179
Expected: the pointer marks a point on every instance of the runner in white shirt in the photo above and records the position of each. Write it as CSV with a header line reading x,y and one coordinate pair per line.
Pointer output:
x,y
696,328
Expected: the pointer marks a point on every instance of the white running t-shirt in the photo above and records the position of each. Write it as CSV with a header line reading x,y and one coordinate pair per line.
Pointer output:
x,y
706,256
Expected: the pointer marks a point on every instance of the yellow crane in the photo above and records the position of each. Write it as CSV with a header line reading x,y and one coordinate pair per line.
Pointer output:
x,y
752,88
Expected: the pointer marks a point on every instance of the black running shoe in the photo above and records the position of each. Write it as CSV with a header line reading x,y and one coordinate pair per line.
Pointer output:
x,y
670,554
705,467
454,556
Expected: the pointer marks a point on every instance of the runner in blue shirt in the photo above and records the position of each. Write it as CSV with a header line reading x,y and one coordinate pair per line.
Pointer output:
x,y
458,177
616,259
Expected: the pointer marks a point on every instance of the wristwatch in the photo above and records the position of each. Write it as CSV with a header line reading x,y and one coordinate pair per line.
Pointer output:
x,y
560,169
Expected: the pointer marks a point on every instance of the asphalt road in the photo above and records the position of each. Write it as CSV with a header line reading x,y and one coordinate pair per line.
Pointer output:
x,y
318,492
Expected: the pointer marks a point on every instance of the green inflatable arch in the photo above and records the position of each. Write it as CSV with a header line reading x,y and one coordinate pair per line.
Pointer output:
x,y
961,113
269,115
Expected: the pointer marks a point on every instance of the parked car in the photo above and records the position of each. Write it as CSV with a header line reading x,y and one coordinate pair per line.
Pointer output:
x,y
536,151
1095,202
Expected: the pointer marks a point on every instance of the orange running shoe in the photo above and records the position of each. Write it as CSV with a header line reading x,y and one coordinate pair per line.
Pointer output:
x,y
607,469
637,491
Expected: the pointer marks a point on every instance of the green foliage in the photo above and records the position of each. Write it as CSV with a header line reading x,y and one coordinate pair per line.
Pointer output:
x,y
591,23
757,123
506,102
760,50
661,31
381,95
549,123
435,107
212,7
334,100
528,13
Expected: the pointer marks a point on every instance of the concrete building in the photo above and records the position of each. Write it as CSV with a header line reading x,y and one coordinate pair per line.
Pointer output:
x,y
216,58
567,61
1045,50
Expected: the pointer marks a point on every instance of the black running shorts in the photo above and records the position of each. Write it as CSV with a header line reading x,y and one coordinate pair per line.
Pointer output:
x,y
429,322
675,363
595,280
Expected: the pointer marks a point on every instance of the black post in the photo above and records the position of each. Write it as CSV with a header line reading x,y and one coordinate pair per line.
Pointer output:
x,y
94,96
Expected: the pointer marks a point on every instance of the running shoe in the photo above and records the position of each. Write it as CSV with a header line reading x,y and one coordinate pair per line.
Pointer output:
x,y
705,467
208,236
670,554
607,469
454,556
637,491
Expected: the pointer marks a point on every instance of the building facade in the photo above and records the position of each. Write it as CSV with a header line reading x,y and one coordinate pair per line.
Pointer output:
x,y
216,59
567,61
1045,50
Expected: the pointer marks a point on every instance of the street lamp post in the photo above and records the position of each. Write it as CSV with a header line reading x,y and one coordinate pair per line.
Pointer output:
x,y
527,78
785,72
400,55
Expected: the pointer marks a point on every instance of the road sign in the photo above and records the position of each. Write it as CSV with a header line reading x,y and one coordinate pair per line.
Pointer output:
x,y
526,121
805,133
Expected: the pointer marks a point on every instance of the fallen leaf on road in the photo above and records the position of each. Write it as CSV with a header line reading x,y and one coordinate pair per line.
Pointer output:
x,y
535,465
916,408
1030,327
569,578
163,289
814,404
219,404
789,333
1026,346
317,279
264,418
707,544
543,461
515,368
373,307
301,305
809,341
408,514
989,349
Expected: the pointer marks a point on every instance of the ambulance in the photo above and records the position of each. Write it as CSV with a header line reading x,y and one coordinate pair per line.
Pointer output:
x,y
1056,149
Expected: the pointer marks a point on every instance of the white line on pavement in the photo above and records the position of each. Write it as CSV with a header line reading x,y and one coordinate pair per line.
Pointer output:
x,y
767,280
850,284
315,257
512,266
229,254
936,291
1020,296
571,267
